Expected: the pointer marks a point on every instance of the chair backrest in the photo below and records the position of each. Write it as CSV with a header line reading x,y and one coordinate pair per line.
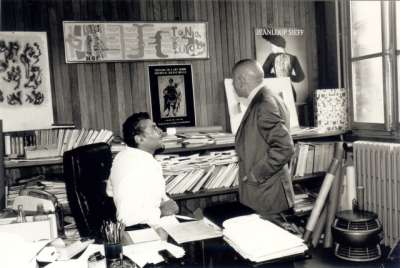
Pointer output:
x,y
86,170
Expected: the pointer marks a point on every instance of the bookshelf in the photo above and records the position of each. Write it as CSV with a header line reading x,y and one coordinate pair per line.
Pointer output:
x,y
48,163
208,193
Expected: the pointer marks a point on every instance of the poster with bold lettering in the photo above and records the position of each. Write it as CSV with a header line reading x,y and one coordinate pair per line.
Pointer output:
x,y
171,91
25,91
134,41
282,53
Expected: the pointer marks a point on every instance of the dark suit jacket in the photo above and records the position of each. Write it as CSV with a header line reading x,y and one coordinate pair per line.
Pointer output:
x,y
264,147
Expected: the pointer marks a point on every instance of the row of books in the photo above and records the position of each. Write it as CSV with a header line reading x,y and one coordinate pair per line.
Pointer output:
x,y
311,157
46,143
194,173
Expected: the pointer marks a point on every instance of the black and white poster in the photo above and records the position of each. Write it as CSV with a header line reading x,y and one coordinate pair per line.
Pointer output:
x,y
282,53
171,91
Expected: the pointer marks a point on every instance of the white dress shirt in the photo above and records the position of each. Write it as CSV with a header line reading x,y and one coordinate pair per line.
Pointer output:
x,y
137,186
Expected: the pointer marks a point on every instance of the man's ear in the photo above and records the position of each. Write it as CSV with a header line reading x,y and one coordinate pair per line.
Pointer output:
x,y
138,139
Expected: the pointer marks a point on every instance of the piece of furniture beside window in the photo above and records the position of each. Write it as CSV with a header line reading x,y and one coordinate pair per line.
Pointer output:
x,y
86,170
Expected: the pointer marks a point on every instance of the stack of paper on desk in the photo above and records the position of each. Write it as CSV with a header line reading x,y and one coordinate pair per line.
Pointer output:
x,y
259,240
193,231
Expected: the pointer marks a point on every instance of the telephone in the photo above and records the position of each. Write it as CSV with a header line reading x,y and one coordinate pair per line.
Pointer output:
x,y
39,194
30,199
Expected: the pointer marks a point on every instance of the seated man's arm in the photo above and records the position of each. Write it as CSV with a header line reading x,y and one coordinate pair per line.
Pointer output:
x,y
169,207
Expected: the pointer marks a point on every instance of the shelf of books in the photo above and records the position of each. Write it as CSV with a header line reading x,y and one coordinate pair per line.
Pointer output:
x,y
196,175
46,146
195,165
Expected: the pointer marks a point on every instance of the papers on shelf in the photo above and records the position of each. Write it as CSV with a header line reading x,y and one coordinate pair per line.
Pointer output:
x,y
259,240
193,231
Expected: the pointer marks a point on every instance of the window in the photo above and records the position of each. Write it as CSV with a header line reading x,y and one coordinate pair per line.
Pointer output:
x,y
373,26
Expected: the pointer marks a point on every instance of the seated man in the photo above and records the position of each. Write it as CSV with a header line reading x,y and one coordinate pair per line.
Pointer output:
x,y
136,181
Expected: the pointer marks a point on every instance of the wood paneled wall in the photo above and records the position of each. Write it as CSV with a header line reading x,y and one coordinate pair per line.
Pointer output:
x,y
103,95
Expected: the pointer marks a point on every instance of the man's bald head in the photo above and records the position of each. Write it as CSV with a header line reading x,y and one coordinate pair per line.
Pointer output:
x,y
247,74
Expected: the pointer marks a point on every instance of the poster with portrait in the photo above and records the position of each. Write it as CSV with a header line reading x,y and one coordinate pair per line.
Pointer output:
x,y
282,53
171,89
25,92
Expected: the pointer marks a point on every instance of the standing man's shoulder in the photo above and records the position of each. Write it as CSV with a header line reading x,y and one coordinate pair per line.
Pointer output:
x,y
267,97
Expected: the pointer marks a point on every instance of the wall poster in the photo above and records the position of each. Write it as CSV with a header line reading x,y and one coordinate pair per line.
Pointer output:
x,y
282,53
237,107
25,90
171,89
134,41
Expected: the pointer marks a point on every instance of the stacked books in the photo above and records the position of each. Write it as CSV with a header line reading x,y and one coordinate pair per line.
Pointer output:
x,y
304,199
195,139
194,173
171,141
222,137
188,140
303,203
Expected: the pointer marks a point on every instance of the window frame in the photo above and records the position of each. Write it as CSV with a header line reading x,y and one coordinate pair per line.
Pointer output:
x,y
388,55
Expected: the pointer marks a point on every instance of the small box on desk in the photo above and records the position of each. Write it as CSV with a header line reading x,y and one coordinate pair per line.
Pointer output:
x,y
36,152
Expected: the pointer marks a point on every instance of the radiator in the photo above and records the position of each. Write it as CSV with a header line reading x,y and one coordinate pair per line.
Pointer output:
x,y
377,166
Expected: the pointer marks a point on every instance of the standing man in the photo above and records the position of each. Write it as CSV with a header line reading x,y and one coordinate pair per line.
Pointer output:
x,y
263,143
136,181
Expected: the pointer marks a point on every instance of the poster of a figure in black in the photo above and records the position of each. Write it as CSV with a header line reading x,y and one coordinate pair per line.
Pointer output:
x,y
281,52
172,95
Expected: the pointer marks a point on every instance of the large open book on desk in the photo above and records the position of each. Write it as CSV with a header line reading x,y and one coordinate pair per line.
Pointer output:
x,y
259,240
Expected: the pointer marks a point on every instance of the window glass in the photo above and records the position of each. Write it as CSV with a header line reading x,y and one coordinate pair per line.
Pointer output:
x,y
366,34
367,83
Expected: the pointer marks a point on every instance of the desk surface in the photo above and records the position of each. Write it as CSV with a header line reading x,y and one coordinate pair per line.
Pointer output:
x,y
219,254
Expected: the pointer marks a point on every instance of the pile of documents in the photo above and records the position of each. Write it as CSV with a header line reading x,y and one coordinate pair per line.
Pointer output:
x,y
222,137
190,231
195,139
259,240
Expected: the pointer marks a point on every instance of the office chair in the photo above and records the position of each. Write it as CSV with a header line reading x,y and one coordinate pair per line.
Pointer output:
x,y
86,170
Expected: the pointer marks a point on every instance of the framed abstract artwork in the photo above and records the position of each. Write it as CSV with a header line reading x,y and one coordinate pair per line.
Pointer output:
x,y
171,89
25,88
